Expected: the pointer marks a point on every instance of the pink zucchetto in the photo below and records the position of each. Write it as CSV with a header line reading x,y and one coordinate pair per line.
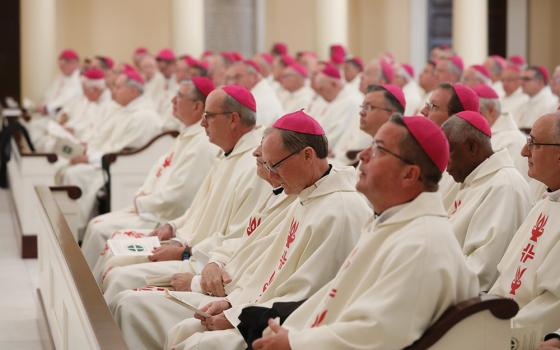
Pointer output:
x,y
477,120
298,68
337,54
396,92
132,74
299,122
254,65
68,55
331,71
409,69
241,95
93,74
357,61
467,97
203,84
267,57
499,60
518,60
544,73
431,139
485,91
280,49
457,61
189,60
387,69
287,59
166,55
482,70
140,51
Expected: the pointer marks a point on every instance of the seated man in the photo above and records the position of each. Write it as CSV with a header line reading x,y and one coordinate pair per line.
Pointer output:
x,y
131,124
228,196
396,282
528,272
309,244
174,179
493,197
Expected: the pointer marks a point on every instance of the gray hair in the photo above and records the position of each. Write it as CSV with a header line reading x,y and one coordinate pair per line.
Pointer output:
x,y
391,101
194,93
487,103
248,117
133,83
295,142
459,130
410,149
454,69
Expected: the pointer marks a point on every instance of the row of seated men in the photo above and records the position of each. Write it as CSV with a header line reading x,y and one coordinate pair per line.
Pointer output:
x,y
294,230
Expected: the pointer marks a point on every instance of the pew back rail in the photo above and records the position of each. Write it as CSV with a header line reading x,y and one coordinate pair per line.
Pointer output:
x,y
76,312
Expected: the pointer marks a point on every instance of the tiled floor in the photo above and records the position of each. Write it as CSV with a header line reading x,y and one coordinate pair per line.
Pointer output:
x,y
20,311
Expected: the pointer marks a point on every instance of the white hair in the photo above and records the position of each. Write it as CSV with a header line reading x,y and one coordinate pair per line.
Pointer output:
x,y
487,103
135,84
403,73
94,83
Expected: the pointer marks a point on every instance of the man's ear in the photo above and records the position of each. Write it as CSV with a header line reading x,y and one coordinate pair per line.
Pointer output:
x,y
412,175
235,120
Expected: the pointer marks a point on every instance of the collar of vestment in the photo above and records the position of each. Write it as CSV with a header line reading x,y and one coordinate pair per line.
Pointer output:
x,y
491,165
139,102
554,196
247,142
504,122
425,204
337,180
190,130
541,95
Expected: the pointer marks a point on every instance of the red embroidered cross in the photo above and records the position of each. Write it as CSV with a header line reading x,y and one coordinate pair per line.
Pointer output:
x,y
319,319
283,259
253,224
516,283
538,229
527,253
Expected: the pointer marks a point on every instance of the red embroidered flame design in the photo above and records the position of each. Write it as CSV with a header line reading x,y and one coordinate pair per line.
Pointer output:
x,y
319,319
516,283
267,284
253,224
292,234
538,229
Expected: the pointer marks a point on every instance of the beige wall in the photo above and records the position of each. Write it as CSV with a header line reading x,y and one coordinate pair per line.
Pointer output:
x,y
544,33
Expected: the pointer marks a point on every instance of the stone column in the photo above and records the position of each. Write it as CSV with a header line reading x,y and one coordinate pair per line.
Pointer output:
x,y
187,34
470,30
332,25
38,47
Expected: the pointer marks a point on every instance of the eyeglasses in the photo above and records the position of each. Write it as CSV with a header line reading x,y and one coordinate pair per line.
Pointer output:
x,y
274,167
531,143
377,149
528,78
210,115
366,108
431,106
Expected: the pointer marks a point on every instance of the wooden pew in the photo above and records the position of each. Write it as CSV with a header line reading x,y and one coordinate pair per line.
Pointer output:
x,y
76,313
481,323
128,169
25,170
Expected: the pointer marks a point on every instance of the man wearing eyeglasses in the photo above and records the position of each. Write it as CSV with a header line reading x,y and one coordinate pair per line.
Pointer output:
x,y
317,234
493,198
534,82
406,259
529,268
228,196
246,74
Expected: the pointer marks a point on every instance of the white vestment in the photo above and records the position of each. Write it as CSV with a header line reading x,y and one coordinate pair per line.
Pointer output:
x,y
413,96
228,196
62,90
130,126
492,202
154,88
529,271
168,191
514,103
506,134
239,258
498,87
319,233
339,115
542,103
294,101
269,107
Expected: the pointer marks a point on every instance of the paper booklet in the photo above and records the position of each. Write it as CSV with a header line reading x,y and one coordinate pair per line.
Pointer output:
x,y
133,246
526,338
177,298
68,149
